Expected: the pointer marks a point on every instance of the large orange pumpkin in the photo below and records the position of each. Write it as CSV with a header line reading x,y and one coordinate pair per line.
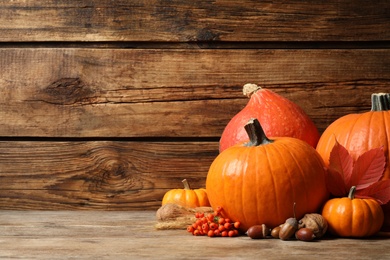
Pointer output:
x,y
277,115
353,217
258,182
359,133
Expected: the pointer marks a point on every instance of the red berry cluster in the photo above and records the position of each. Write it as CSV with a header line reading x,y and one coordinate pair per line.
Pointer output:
x,y
213,225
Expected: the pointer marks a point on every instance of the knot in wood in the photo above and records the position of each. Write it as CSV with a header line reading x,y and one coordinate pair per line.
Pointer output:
x,y
113,174
115,169
66,91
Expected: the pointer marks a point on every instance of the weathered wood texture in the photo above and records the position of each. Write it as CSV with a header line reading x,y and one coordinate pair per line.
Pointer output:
x,y
182,21
107,105
107,175
131,235
175,93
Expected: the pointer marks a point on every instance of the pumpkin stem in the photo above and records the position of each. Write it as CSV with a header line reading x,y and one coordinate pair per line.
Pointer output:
x,y
249,89
351,193
380,102
186,184
256,133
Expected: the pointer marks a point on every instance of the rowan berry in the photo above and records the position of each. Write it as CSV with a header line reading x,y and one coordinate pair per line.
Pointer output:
x,y
213,226
232,233
237,224
211,233
227,225
190,229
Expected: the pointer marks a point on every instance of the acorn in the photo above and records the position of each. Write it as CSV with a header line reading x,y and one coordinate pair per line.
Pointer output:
x,y
305,234
289,228
258,231
275,231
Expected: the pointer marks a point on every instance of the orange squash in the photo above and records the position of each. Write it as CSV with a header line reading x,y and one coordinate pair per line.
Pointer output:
x,y
277,115
187,197
353,217
359,133
258,182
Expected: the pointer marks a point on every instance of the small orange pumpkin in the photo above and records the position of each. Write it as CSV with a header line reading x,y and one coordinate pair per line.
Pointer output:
x,y
187,197
353,217
259,182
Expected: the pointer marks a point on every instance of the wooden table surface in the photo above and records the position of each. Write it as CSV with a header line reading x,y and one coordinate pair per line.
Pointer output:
x,y
132,235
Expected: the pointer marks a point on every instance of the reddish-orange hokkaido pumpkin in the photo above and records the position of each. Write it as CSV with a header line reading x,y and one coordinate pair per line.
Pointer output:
x,y
353,217
359,133
258,182
277,115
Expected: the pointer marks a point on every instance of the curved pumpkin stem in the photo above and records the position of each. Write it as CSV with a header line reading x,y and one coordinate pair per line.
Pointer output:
x,y
249,89
256,133
351,193
380,102
186,184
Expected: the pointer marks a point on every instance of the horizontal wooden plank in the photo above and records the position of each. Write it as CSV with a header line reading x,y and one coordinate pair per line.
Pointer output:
x,y
183,21
100,174
130,235
174,93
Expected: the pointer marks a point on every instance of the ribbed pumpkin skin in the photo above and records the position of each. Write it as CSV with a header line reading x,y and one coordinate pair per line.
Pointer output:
x,y
259,184
278,117
187,198
353,217
358,133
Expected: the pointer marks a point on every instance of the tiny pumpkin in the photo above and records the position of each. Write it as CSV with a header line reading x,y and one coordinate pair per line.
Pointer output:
x,y
258,182
353,217
187,197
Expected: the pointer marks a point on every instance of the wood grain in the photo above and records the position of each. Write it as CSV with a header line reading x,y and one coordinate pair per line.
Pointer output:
x,y
183,21
108,104
182,93
131,235
105,175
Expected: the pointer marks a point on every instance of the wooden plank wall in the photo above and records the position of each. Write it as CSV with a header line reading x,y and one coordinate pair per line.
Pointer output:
x,y
108,104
